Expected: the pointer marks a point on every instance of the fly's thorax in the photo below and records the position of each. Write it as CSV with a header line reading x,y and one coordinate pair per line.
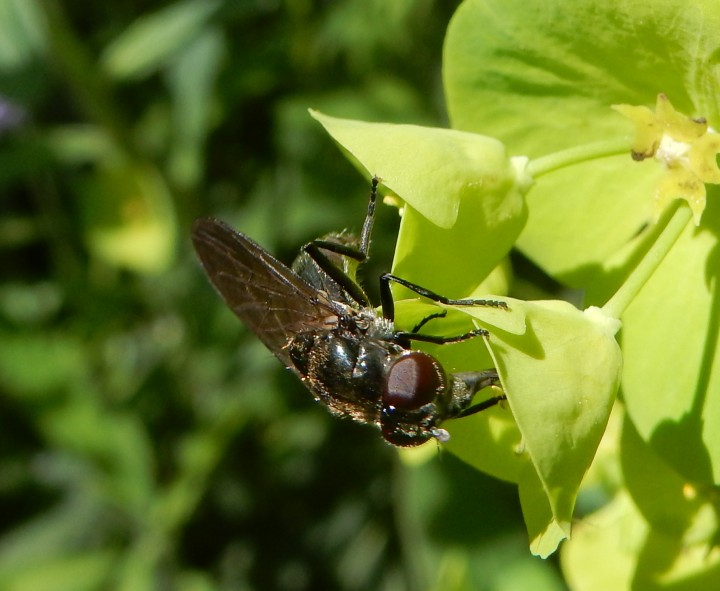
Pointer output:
x,y
363,324
379,327
346,370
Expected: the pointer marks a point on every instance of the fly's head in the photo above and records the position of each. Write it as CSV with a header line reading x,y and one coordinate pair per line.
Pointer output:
x,y
403,392
414,400
418,396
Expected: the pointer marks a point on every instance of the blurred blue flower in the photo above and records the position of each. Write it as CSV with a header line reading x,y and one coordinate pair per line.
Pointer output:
x,y
12,115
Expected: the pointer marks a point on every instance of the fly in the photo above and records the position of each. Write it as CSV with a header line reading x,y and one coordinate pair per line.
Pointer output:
x,y
316,318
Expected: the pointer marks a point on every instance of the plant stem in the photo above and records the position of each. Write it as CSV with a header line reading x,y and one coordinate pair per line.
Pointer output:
x,y
675,220
563,158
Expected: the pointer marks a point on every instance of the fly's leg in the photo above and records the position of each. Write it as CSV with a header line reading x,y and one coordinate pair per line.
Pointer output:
x,y
427,319
414,335
438,340
466,384
388,304
315,250
369,218
480,406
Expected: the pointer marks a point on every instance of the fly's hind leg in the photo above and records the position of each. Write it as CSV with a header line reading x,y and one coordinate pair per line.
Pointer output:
x,y
359,253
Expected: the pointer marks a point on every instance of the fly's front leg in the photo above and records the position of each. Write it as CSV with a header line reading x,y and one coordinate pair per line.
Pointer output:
x,y
416,335
465,385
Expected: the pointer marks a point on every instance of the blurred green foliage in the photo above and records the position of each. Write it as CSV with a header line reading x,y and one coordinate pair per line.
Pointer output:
x,y
147,441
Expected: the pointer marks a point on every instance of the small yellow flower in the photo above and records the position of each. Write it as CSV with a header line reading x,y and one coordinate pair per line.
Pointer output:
x,y
686,147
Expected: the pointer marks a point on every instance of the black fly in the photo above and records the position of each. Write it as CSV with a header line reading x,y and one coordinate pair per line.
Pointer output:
x,y
319,322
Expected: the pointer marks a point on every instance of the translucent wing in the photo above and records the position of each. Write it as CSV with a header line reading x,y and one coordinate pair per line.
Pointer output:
x,y
266,295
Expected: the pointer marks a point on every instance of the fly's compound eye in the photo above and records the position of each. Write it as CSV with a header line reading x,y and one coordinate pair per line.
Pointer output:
x,y
413,380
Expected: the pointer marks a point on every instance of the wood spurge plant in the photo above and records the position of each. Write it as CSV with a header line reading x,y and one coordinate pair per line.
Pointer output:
x,y
540,159
536,374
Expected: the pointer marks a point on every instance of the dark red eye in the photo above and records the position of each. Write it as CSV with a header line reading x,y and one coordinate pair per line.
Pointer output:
x,y
414,379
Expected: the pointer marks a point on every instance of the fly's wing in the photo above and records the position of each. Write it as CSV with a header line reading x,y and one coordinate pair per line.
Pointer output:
x,y
267,296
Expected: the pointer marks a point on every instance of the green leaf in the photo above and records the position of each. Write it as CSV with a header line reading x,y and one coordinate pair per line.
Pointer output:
x,y
604,549
40,365
490,440
560,376
48,533
665,540
542,76
85,571
22,33
462,195
561,379
117,442
430,168
77,145
546,528
455,261
192,78
154,38
545,76
130,218
671,379
668,502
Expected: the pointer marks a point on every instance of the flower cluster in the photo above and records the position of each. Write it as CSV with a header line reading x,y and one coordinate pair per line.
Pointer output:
x,y
686,147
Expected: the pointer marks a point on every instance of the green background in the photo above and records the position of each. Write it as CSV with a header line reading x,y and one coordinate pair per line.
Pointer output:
x,y
147,441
